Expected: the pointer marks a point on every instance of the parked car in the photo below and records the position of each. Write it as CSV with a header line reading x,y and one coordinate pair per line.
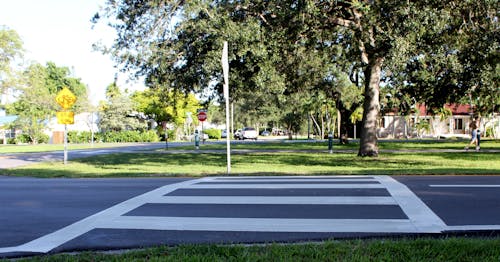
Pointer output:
x,y
246,133
265,133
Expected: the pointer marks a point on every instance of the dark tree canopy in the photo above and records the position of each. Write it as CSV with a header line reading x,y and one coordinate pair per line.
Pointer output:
x,y
430,51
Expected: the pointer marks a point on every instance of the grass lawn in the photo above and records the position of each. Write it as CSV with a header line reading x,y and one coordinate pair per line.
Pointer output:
x,y
451,249
161,163
7,149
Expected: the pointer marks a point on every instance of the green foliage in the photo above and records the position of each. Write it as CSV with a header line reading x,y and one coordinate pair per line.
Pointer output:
x,y
213,133
26,139
431,51
10,50
118,113
166,105
36,103
129,136
78,137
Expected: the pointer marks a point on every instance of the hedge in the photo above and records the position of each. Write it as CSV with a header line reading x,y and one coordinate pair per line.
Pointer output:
x,y
114,137
213,133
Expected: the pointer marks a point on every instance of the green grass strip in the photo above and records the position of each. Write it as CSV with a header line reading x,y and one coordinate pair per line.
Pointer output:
x,y
195,165
451,249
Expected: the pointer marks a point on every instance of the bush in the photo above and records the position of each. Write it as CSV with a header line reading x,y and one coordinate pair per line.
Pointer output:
x,y
23,139
130,136
26,139
78,137
43,139
213,133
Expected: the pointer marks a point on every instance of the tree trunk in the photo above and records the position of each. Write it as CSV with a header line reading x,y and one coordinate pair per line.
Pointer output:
x,y
368,145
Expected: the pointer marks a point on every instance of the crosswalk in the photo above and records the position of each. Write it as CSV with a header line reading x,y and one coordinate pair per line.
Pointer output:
x,y
371,204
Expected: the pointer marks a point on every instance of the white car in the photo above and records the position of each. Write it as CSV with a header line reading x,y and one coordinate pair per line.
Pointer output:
x,y
246,133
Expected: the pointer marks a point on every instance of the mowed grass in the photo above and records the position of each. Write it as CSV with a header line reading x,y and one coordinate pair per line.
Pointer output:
x,y
8,149
450,249
268,162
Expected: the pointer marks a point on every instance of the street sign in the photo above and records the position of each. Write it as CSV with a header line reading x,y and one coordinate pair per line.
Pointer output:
x,y
66,118
65,98
202,116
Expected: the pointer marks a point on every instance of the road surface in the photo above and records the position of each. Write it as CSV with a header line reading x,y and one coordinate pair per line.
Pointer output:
x,y
57,215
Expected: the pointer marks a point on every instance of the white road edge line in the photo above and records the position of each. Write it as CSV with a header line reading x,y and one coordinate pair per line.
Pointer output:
x,y
50,241
473,227
478,186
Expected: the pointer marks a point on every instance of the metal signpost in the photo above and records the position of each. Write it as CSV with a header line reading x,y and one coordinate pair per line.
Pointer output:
x,y
65,98
202,116
225,70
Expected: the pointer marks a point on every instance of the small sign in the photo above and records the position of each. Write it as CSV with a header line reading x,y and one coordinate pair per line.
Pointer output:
x,y
65,118
202,116
65,98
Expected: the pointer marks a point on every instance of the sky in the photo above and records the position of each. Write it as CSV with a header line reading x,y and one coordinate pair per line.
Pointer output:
x,y
60,31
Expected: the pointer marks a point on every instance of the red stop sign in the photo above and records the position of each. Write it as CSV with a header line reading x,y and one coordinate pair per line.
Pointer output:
x,y
202,116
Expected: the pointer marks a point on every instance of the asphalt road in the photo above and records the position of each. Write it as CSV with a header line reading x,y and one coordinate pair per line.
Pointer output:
x,y
57,215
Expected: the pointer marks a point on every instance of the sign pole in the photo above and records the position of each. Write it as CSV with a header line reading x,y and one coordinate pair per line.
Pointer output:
x,y
65,98
65,144
225,69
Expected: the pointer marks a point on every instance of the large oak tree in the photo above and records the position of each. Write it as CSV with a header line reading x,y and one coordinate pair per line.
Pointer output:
x,y
177,44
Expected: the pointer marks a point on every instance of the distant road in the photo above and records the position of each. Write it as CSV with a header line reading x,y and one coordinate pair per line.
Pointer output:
x,y
22,159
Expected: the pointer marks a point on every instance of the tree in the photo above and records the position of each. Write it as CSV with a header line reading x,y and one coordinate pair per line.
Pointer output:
x,y
10,50
290,45
36,103
172,106
117,114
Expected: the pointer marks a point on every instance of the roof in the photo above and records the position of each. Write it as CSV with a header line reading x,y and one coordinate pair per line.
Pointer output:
x,y
456,109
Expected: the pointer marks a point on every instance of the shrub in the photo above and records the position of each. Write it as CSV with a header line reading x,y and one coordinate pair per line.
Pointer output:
x,y
23,139
213,133
80,137
26,139
129,136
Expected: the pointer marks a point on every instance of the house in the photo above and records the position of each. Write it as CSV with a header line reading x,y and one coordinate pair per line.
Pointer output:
x,y
6,131
82,122
422,124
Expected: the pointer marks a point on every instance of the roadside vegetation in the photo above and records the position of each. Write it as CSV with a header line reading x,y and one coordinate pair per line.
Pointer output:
x,y
426,249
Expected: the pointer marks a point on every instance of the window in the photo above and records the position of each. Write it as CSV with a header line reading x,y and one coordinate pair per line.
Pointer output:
x,y
458,124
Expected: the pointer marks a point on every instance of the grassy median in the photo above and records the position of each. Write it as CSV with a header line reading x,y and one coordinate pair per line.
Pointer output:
x,y
269,159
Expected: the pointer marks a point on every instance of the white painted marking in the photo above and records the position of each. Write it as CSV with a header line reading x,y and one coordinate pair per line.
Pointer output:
x,y
281,186
478,186
420,218
48,242
242,200
292,180
473,227
417,211
262,224
282,178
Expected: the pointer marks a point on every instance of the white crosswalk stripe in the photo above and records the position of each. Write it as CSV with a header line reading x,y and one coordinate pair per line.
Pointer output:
x,y
420,219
